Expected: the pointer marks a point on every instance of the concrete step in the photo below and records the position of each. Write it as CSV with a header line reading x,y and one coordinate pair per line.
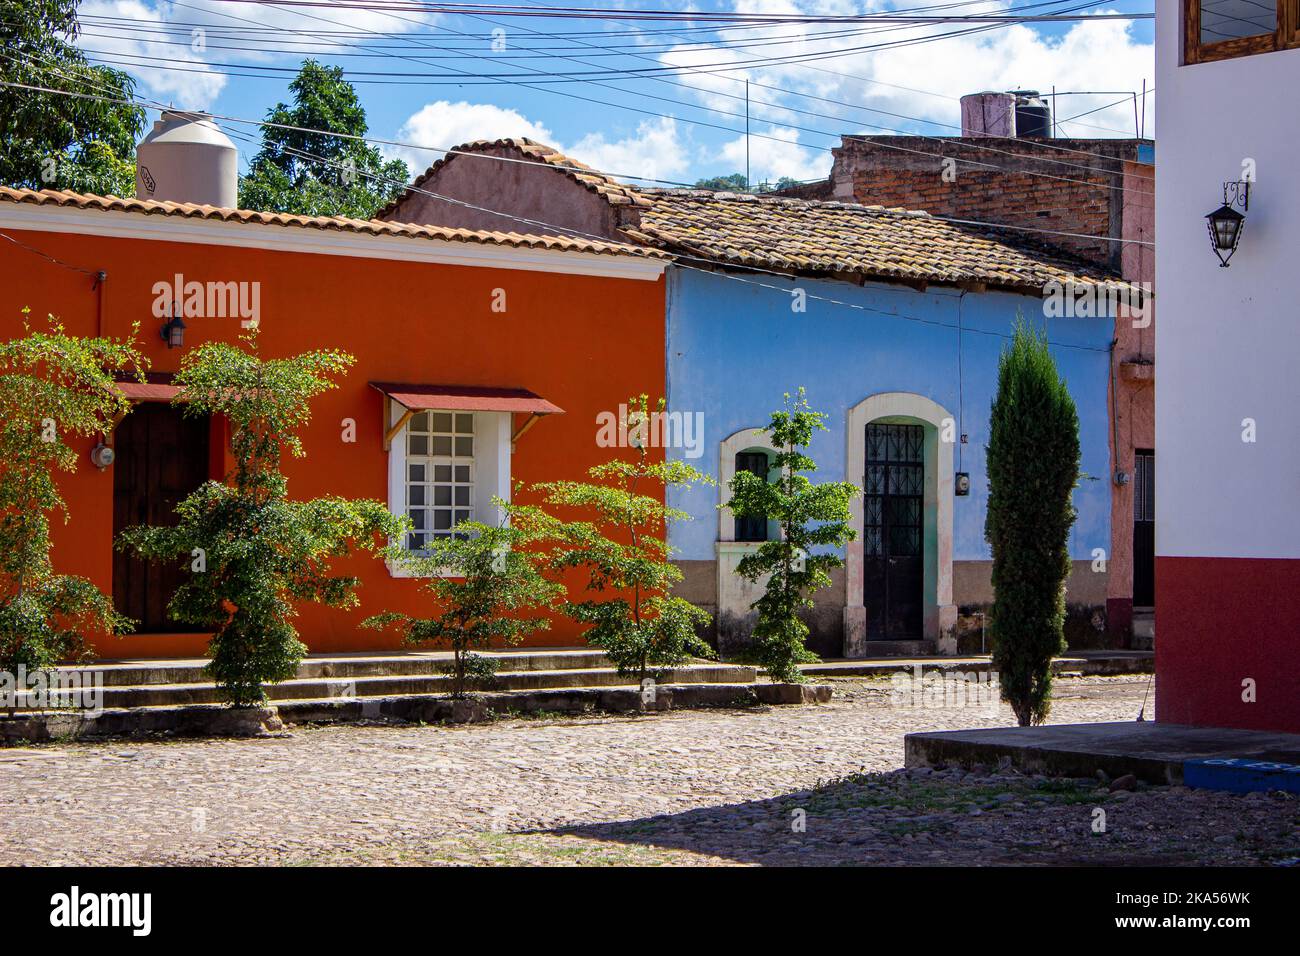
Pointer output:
x,y
1144,630
169,672
206,692
900,648
1074,665
209,720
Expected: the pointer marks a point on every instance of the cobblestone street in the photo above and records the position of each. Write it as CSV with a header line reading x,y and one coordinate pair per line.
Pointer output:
x,y
686,787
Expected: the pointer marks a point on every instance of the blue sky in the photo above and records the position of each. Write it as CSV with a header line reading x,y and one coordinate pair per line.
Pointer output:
x,y
675,125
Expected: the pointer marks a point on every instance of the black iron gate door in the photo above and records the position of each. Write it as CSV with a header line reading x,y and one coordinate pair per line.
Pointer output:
x,y
1144,528
894,534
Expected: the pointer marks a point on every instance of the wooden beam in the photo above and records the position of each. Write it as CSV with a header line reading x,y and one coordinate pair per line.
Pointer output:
x,y
391,433
532,420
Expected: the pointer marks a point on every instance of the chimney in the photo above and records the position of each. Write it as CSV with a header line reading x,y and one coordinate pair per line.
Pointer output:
x,y
186,158
988,114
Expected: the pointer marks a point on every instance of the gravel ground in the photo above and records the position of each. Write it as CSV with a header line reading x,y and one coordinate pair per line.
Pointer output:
x,y
780,785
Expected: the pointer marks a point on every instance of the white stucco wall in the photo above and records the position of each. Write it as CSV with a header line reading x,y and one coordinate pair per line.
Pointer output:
x,y
1228,339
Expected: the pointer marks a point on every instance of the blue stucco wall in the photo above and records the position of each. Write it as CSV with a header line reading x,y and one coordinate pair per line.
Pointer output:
x,y
735,346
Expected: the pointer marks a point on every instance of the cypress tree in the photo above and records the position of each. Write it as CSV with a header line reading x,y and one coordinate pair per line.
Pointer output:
x,y
1033,466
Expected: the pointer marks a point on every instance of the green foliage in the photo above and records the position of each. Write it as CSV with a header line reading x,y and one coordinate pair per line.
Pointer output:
x,y
53,141
1033,466
252,552
53,386
485,579
319,174
811,516
632,616
735,183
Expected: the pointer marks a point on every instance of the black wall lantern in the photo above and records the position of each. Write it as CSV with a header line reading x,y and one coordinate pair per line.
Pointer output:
x,y
1226,223
961,486
173,332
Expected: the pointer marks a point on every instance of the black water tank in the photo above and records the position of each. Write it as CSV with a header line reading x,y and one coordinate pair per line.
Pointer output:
x,y
1033,115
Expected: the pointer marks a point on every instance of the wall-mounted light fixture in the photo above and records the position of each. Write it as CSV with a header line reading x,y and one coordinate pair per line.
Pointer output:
x,y
101,456
173,332
961,486
1226,223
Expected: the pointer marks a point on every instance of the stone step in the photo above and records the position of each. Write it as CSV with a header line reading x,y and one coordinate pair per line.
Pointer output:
x,y
169,672
206,692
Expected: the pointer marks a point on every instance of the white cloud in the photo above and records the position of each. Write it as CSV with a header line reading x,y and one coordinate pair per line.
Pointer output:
x,y
771,159
180,78
923,81
442,125
200,33
655,151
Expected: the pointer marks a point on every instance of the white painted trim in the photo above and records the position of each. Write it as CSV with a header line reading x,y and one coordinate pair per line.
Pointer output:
x,y
492,462
123,224
938,495
728,448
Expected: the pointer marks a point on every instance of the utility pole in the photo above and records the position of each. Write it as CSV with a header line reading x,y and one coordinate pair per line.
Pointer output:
x,y
747,136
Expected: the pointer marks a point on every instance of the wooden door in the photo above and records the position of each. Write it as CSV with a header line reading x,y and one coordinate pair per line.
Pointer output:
x,y
162,456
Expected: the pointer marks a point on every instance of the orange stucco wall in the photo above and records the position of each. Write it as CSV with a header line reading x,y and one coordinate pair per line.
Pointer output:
x,y
585,343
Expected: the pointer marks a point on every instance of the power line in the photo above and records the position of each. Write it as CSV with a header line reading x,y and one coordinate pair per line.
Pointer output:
x,y
579,169
713,265
707,109
580,13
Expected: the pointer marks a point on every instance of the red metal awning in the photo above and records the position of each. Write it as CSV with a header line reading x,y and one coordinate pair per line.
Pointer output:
x,y
467,398
461,398
156,387
148,391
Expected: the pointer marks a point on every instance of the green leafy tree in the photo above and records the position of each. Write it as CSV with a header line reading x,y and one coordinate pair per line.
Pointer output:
x,y
1033,466
810,516
251,550
53,387
631,615
736,183
320,174
486,580
54,141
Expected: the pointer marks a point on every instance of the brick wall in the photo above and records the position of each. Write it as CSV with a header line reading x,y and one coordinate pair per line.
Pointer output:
x,y
1025,183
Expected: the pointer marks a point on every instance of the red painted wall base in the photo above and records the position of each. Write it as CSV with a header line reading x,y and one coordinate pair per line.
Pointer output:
x,y
1219,623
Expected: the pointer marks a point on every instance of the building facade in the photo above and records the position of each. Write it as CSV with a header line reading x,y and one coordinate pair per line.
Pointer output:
x,y
1092,198
1227,527
481,359
892,320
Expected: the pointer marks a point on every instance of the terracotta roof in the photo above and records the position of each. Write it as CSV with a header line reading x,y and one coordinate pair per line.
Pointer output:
x,y
608,188
810,236
804,236
372,227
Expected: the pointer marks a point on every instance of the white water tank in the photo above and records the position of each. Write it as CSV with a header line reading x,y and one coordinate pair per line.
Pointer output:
x,y
988,114
187,158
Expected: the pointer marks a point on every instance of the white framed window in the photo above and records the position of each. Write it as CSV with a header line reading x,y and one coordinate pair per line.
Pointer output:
x,y
444,468
439,475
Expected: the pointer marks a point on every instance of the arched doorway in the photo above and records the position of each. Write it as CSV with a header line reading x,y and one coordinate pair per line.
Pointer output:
x,y
898,576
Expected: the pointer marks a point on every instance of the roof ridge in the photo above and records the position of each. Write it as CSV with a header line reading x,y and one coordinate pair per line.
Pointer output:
x,y
376,227
591,179
792,201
